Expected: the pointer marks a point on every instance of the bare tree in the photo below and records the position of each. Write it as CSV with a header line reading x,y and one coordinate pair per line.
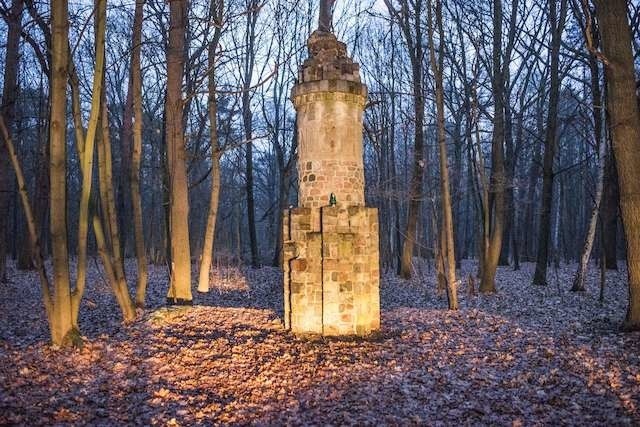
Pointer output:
x,y
216,11
447,241
494,205
60,318
625,131
8,109
591,36
180,285
136,153
556,22
248,64
408,15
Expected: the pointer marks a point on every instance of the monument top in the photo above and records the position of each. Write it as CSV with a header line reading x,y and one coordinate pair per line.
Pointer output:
x,y
328,59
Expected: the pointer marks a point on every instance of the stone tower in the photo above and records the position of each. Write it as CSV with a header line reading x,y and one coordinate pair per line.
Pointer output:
x,y
330,250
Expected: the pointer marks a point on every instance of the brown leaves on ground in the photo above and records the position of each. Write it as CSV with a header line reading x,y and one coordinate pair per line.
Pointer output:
x,y
528,355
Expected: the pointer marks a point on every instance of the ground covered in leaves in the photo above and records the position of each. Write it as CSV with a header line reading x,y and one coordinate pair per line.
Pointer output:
x,y
528,355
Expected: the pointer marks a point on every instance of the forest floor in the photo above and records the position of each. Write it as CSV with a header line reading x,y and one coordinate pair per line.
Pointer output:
x,y
527,355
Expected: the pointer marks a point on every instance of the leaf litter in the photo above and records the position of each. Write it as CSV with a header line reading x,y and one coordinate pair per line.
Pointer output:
x,y
527,355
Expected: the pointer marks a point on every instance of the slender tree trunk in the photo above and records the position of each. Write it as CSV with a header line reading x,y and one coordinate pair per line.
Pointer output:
x,y
136,155
247,119
110,214
111,244
7,109
494,212
415,48
510,165
448,243
86,155
557,27
625,130
578,282
41,196
180,285
610,212
104,250
210,232
32,224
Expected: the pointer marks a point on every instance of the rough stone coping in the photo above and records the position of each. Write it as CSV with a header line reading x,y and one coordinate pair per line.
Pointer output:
x,y
321,40
332,86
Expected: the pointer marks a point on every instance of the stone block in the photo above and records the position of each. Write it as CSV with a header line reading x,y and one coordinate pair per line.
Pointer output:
x,y
299,265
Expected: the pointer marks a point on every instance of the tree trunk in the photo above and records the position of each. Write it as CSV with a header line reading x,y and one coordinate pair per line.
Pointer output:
x,y
625,130
610,212
41,196
557,27
136,155
210,232
578,282
415,48
61,326
247,120
510,165
448,242
32,224
7,109
494,221
111,242
180,285
86,156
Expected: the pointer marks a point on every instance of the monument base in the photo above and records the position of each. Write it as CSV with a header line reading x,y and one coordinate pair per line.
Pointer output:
x,y
331,272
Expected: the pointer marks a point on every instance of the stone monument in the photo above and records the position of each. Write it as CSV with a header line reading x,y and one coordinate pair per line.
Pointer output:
x,y
330,242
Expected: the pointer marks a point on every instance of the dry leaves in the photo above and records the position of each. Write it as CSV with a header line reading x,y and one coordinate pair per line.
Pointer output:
x,y
528,355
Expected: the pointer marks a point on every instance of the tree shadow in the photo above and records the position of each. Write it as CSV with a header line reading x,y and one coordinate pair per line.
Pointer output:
x,y
244,287
228,360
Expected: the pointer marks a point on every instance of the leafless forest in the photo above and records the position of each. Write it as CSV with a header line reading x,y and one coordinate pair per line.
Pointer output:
x,y
148,151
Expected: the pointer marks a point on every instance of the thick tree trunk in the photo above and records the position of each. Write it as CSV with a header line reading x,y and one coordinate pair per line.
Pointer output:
x,y
7,109
61,325
180,285
625,130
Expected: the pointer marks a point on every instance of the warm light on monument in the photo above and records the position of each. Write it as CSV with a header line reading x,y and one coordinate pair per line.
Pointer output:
x,y
331,259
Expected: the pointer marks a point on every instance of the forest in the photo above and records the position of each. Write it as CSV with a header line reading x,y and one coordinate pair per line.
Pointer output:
x,y
170,171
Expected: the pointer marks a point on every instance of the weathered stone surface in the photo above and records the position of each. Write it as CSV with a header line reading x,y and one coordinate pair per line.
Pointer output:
x,y
332,275
330,253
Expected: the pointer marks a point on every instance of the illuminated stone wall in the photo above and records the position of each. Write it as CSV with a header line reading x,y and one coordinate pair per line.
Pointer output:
x,y
331,275
330,253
